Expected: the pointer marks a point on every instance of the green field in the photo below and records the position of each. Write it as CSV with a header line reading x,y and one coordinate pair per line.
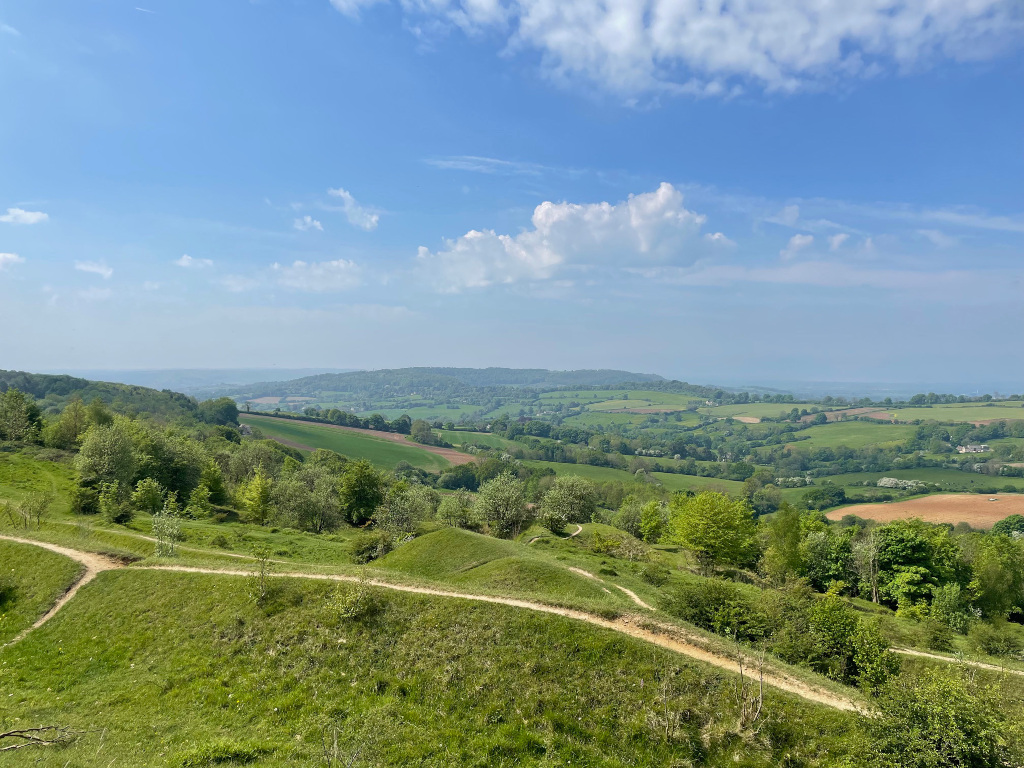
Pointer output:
x,y
755,410
1008,409
462,437
949,479
852,434
356,445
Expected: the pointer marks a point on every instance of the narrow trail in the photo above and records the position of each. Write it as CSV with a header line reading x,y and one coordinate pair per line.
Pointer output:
x,y
93,565
947,659
687,646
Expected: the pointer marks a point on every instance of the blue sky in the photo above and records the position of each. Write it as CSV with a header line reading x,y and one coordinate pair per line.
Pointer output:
x,y
724,193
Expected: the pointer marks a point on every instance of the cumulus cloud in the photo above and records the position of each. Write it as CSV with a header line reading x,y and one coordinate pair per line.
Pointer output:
x,y
7,259
836,241
95,267
188,262
21,216
357,215
796,244
717,48
307,223
319,276
653,227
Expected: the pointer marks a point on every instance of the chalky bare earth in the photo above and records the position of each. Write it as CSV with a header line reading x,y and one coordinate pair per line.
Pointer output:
x,y
980,510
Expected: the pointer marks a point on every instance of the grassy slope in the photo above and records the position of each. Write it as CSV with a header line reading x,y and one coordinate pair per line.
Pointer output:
x,y
38,577
186,665
382,453
21,475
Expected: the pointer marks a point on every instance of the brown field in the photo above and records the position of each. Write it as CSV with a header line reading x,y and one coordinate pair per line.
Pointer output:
x,y
747,419
266,400
973,508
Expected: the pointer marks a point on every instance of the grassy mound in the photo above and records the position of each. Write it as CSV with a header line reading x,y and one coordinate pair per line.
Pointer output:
x,y
447,552
31,581
185,670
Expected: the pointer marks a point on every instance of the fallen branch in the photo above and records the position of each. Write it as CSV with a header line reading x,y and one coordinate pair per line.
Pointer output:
x,y
46,736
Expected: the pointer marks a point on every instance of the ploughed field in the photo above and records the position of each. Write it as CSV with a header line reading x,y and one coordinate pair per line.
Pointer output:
x,y
977,509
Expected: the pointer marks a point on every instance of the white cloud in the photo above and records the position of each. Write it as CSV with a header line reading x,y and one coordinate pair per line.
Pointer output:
x,y
716,48
358,215
188,262
21,216
149,285
96,294
8,29
7,259
937,238
307,223
96,267
836,241
653,227
796,244
319,276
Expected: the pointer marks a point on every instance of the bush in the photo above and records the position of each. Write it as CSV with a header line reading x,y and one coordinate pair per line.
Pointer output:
x,y
353,602
995,640
654,574
717,606
84,500
370,546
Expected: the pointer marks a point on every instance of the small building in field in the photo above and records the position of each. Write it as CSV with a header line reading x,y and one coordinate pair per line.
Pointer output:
x,y
982,448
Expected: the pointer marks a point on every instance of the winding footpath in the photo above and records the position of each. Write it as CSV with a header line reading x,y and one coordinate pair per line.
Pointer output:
x,y
660,636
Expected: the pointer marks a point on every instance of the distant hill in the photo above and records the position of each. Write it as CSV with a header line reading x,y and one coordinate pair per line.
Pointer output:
x,y
53,392
198,381
437,381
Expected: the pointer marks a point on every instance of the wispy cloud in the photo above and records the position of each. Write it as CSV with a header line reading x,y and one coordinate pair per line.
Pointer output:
x,y
937,238
7,29
96,294
489,165
796,244
307,223
95,267
7,259
238,283
319,277
188,262
21,216
836,241
358,215
144,10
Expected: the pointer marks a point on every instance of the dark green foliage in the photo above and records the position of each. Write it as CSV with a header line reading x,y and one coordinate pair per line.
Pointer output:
x,y
1008,526
718,606
370,545
941,718
825,496
222,412
996,639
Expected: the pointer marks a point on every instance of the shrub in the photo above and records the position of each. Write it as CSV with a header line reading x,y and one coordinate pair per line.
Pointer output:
x,y
995,640
8,590
353,602
654,574
84,501
717,606
370,546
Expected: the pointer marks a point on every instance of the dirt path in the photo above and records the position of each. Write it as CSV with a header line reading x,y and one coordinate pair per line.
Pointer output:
x,y
454,456
93,565
976,664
